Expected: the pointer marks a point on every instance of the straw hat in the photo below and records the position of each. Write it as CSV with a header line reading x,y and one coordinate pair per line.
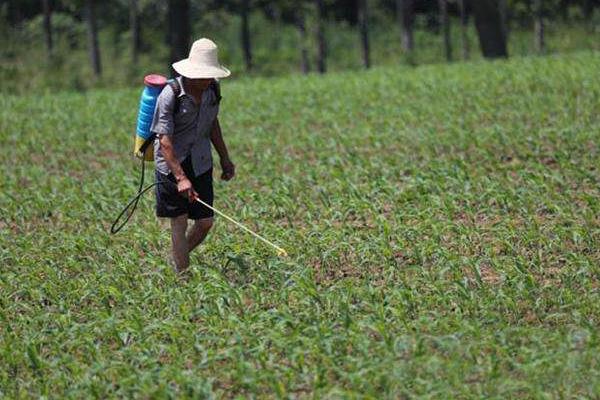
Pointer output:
x,y
202,62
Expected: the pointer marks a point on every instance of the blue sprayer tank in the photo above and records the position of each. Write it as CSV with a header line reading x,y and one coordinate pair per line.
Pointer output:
x,y
153,85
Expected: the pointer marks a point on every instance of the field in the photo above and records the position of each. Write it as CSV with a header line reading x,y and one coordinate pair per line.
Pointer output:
x,y
443,226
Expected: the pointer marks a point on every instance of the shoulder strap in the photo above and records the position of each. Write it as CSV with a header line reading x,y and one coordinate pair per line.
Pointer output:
x,y
216,87
176,87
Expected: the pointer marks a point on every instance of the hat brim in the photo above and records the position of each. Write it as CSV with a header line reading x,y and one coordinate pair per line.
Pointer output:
x,y
192,71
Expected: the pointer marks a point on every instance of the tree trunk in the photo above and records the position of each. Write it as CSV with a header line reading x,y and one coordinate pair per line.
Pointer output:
x,y
363,21
405,13
94,49
300,24
488,21
322,51
588,9
443,4
538,26
245,35
179,30
134,24
14,14
503,6
464,26
588,13
48,26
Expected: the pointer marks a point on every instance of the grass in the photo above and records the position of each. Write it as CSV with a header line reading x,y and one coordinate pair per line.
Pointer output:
x,y
442,224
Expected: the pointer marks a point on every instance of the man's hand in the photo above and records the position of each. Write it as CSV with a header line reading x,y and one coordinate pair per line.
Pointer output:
x,y
228,169
184,187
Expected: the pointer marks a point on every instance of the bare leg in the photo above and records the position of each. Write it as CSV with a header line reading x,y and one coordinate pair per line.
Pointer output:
x,y
181,254
198,232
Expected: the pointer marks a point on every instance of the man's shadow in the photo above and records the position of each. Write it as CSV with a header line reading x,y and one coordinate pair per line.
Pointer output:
x,y
236,269
244,269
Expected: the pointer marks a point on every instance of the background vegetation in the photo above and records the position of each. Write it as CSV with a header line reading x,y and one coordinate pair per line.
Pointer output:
x,y
275,42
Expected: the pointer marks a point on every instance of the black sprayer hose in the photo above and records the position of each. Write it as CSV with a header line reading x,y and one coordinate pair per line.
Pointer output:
x,y
134,201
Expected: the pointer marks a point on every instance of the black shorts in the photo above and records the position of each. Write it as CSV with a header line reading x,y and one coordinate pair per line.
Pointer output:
x,y
170,203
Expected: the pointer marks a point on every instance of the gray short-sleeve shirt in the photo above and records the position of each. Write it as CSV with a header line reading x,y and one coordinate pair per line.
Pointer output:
x,y
189,126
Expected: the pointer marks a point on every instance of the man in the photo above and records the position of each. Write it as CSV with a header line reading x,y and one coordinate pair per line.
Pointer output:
x,y
185,122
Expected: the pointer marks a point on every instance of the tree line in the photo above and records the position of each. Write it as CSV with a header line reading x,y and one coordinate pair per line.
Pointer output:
x,y
490,18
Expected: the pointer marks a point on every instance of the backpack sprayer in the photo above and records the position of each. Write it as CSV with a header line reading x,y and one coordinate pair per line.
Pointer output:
x,y
143,149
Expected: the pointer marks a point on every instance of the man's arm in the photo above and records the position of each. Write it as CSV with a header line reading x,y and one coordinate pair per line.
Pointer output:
x,y
166,147
216,138
183,183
